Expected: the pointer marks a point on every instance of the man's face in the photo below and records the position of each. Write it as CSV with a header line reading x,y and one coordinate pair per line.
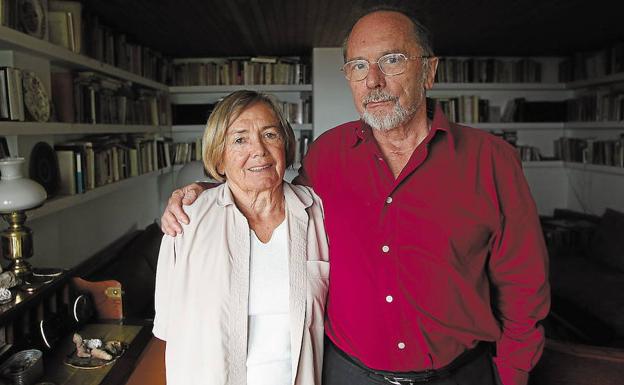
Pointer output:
x,y
383,101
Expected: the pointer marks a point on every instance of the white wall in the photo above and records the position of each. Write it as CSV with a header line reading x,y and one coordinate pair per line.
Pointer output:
x,y
68,237
332,103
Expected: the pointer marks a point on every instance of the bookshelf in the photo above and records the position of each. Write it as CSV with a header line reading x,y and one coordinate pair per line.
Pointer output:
x,y
181,90
69,227
12,40
35,128
203,81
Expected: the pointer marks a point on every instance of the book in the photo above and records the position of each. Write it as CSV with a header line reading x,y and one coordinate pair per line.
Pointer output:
x,y
15,94
80,186
58,28
4,96
74,11
67,172
4,148
63,96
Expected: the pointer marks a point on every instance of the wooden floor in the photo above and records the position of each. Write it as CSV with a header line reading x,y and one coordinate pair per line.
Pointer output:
x,y
151,366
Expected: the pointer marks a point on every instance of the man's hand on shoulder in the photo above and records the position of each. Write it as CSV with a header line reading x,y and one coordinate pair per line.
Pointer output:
x,y
174,213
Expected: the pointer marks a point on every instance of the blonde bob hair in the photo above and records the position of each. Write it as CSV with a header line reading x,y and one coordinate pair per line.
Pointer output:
x,y
225,113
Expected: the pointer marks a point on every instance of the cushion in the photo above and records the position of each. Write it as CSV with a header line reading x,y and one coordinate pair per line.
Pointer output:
x,y
135,268
607,245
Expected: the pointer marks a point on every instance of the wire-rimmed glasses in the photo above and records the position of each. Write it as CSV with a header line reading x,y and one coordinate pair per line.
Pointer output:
x,y
390,64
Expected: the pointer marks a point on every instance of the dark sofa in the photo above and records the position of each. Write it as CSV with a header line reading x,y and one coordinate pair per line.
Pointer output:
x,y
587,277
132,262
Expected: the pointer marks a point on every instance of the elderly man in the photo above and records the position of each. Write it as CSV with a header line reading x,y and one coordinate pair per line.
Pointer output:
x,y
435,242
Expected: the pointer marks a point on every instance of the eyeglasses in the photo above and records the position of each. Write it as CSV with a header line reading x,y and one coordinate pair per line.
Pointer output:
x,y
390,64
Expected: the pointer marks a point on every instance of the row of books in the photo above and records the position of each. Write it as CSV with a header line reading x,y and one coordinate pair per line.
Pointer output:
x,y
185,152
96,161
11,94
68,24
484,70
465,108
240,71
607,105
522,110
299,112
87,97
602,105
112,47
526,153
588,65
593,151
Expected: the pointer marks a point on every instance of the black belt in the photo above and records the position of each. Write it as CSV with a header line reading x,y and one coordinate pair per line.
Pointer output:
x,y
409,378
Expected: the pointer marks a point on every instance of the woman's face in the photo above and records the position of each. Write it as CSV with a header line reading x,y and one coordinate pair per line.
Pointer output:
x,y
255,156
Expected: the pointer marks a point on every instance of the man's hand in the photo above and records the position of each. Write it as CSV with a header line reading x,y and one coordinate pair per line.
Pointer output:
x,y
174,213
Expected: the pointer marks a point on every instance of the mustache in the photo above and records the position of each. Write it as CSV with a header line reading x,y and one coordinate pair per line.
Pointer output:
x,y
377,96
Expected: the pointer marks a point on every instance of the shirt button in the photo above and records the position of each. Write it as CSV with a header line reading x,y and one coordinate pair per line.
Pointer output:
x,y
389,200
401,345
389,299
385,249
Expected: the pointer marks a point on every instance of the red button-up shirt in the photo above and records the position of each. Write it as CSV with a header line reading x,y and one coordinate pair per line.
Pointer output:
x,y
426,265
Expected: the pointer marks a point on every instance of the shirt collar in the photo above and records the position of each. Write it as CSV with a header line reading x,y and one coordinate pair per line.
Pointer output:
x,y
362,132
292,195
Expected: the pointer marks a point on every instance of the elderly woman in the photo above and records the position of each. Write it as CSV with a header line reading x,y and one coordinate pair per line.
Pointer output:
x,y
240,295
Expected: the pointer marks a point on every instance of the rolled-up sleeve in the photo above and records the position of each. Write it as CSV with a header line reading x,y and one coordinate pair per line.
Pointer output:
x,y
519,272
164,286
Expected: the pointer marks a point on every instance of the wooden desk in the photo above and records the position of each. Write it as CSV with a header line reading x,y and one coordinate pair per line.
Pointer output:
x,y
150,369
137,336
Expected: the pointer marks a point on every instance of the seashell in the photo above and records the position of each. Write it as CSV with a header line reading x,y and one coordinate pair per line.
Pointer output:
x,y
94,343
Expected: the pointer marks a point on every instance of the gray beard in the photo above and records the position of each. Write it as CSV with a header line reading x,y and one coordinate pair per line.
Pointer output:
x,y
385,122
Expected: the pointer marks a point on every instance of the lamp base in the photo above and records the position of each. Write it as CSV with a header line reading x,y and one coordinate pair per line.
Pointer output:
x,y
16,242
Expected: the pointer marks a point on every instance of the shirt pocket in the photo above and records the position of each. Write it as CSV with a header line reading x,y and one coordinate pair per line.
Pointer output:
x,y
317,277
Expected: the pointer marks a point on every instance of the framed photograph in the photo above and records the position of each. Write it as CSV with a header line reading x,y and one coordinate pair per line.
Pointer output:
x,y
32,17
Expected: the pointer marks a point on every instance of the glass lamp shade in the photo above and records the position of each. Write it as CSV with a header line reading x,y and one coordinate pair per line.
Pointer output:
x,y
18,193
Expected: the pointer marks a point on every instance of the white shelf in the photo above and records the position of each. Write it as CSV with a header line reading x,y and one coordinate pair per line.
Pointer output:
x,y
228,89
608,79
499,86
614,125
199,128
543,164
615,78
517,125
11,39
36,128
594,168
547,125
67,201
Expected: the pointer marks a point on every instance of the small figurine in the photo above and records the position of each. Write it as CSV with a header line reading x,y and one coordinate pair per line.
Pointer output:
x,y
5,295
86,348
81,348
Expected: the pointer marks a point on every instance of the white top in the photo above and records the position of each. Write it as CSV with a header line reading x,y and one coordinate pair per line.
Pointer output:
x,y
202,290
268,344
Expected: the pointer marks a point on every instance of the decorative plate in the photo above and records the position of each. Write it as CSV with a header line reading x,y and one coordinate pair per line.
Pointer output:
x,y
32,17
43,167
94,363
35,97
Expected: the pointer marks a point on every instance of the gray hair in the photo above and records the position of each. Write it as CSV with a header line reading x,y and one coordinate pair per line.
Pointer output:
x,y
422,35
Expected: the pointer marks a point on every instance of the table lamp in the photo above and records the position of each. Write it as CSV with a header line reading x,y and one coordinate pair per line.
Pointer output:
x,y
17,194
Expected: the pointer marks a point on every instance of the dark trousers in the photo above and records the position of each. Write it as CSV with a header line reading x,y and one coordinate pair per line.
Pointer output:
x,y
338,369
